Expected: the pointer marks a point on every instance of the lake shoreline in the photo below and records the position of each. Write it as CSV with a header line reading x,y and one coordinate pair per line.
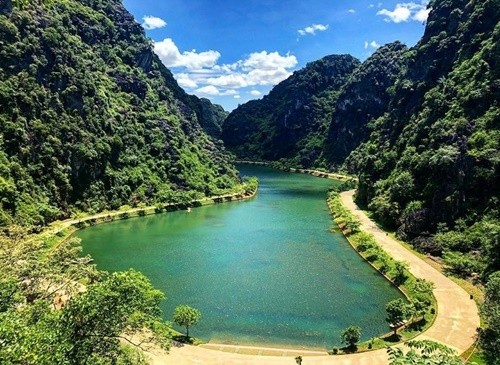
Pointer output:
x,y
69,226
317,173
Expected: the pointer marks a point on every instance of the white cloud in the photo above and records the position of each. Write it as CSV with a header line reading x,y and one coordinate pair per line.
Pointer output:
x,y
404,12
171,56
259,68
237,96
352,11
312,29
371,6
255,92
269,61
153,22
208,90
421,15
200,73
372,44
185,81
230,81
267,77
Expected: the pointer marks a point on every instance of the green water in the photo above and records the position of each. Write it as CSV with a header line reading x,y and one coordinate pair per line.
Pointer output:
x,y
266,271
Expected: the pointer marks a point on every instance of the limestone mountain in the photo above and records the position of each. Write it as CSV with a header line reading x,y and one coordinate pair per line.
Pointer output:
x,y
293,120
91,119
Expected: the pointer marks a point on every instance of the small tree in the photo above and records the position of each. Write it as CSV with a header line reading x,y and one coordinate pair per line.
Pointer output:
x,y
186,316
397,311
298,360
399,273
350,336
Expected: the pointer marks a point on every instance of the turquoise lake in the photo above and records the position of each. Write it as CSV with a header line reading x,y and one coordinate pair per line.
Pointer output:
x,y
266,271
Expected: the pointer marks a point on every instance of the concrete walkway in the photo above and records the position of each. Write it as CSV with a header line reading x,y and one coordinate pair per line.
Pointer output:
x,y
455,325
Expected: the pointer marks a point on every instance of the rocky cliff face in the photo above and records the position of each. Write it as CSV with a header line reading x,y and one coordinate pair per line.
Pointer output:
x,y
363,98
90,118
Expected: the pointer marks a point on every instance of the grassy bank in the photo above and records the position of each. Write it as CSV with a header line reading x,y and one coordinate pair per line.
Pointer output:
x,y
418,292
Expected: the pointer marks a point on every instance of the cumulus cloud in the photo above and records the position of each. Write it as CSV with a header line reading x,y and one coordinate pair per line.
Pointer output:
x,y
234,80
372,44
200,73
185,81
255,92
421,15
312,29
404,12
152,22
171,56
268,61
208,90
352,11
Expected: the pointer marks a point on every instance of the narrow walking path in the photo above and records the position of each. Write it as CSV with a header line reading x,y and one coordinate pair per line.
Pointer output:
x,y
455,324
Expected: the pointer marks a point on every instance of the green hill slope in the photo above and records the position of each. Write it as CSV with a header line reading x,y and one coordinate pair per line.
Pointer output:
x,y
90,118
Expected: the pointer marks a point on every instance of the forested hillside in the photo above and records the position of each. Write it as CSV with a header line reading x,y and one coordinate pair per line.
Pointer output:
x,y
90,118
293,120
431,164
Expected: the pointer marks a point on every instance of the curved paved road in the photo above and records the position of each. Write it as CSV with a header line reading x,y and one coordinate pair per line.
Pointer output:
x,y
455,324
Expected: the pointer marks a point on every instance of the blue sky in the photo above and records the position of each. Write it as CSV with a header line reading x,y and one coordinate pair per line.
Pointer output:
x,y
233,51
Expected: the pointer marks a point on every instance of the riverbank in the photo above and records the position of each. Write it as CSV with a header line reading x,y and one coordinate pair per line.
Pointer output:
x,y
458,317
317,173
62,230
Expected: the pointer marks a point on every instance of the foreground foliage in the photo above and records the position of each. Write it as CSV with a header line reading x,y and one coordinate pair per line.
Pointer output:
x,y
350,336
186,316
47,316
423,353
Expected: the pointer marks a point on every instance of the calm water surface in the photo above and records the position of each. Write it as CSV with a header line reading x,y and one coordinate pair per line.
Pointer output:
x,y
266,271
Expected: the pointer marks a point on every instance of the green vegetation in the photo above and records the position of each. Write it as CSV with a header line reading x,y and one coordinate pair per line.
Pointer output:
x,y
430,166
423,353
350,336
56,308
92,120
186,316
489,337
